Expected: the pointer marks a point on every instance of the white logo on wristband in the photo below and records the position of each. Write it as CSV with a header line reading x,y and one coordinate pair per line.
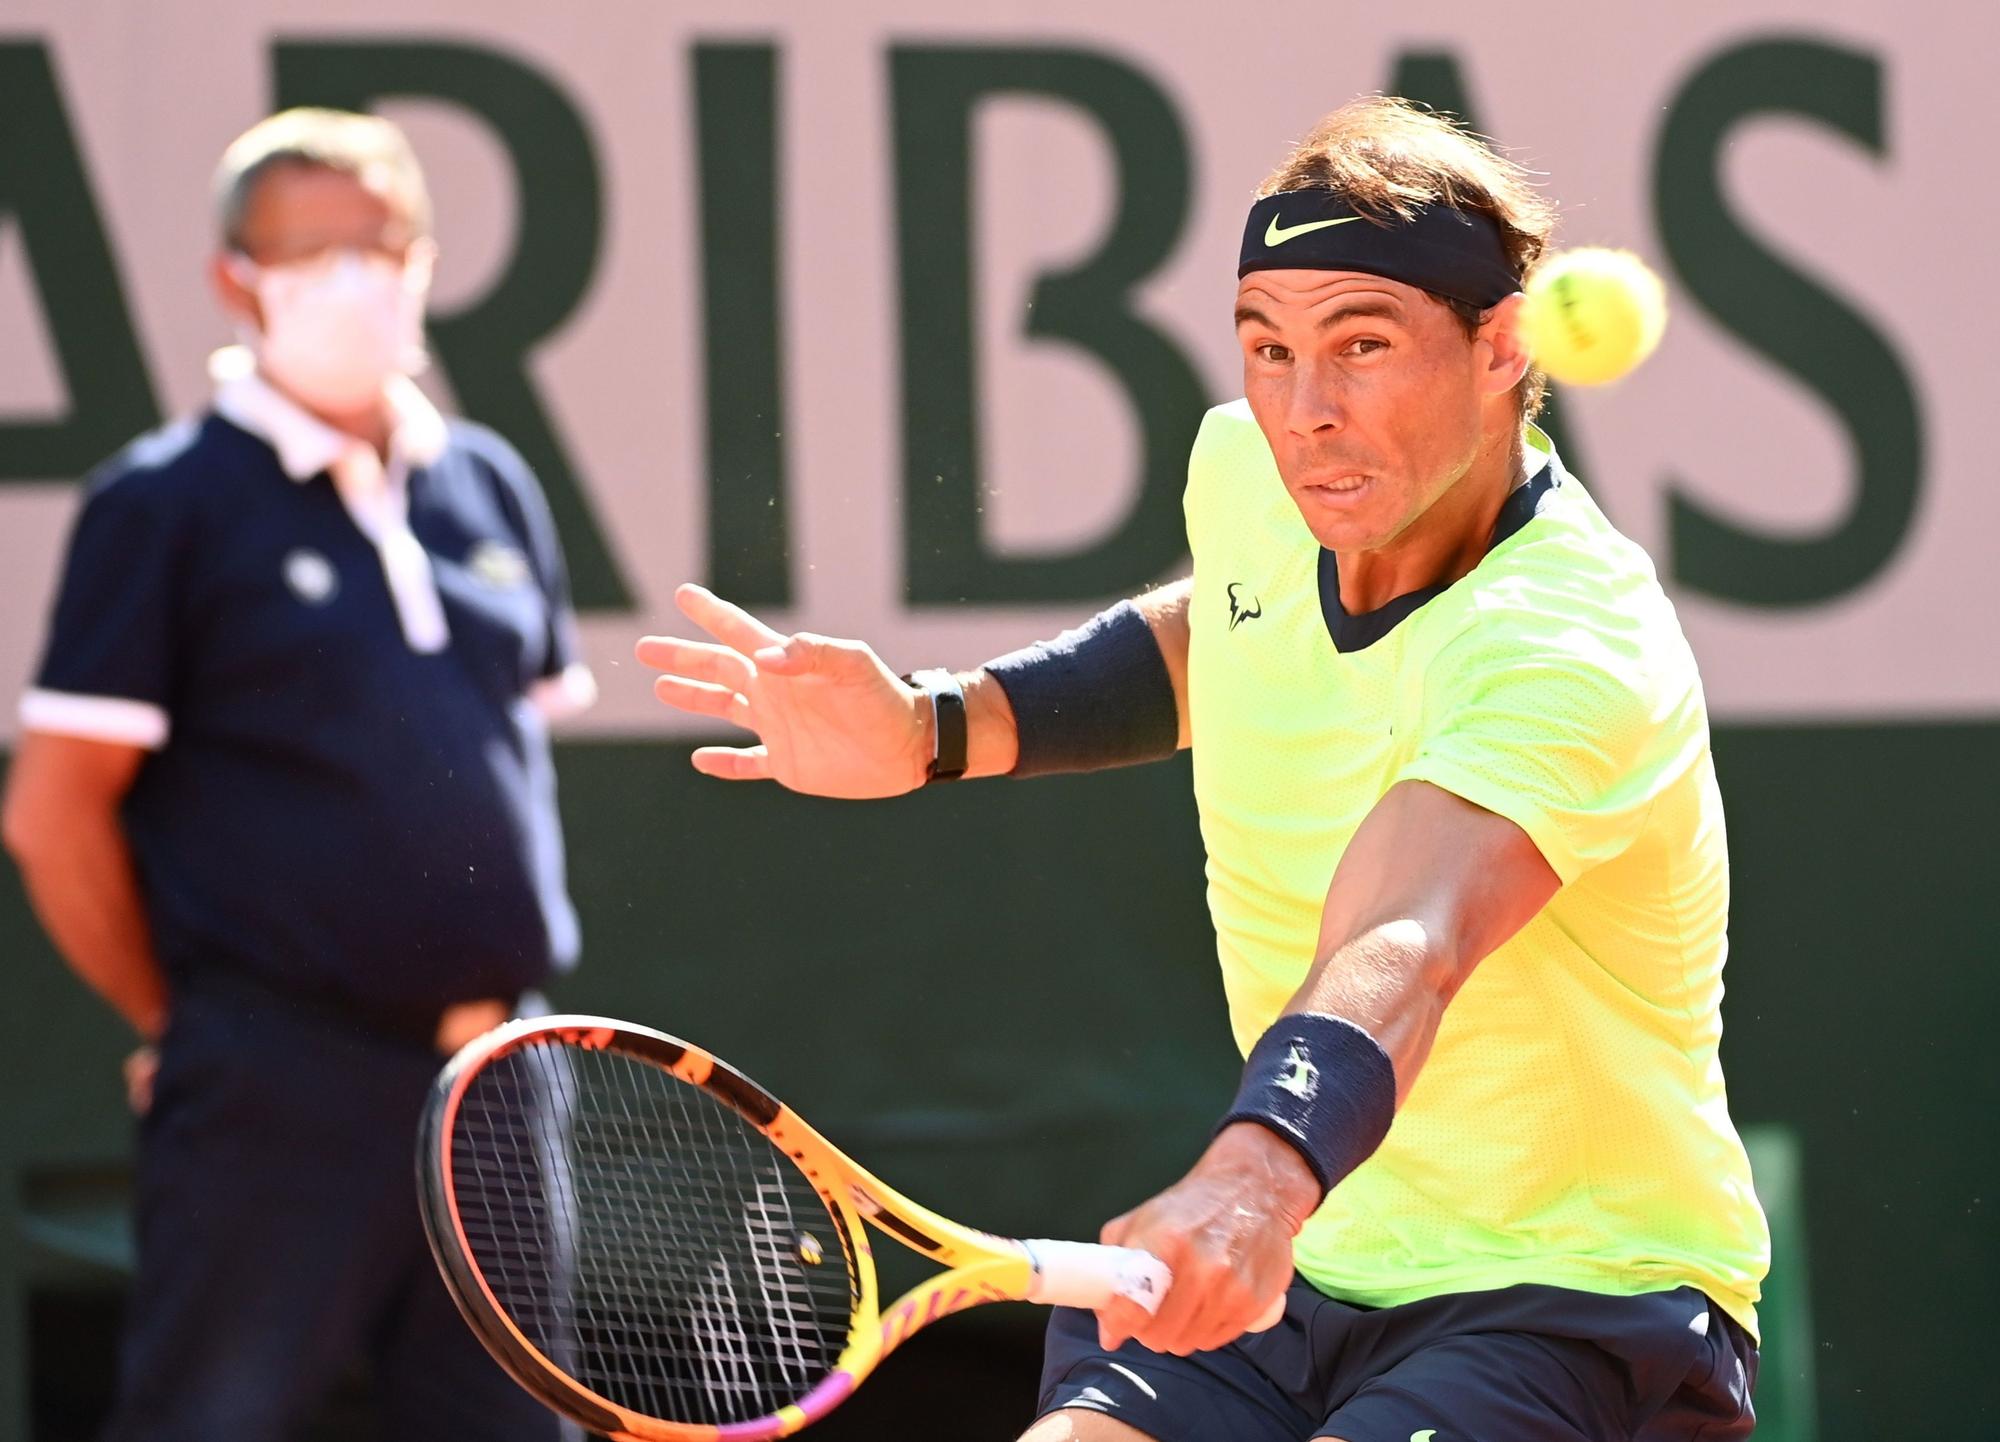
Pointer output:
x,y
1302,1081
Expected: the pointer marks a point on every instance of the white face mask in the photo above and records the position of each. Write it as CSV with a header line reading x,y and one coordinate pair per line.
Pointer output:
x,y
338,325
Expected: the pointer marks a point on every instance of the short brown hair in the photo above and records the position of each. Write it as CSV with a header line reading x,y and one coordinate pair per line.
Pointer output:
x,y
1388,158
367,147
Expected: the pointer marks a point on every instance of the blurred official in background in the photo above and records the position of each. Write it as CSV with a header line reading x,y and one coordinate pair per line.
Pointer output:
x,y
284,799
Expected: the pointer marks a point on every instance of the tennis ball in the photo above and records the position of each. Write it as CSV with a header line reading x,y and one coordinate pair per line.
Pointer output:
x,y
1593,314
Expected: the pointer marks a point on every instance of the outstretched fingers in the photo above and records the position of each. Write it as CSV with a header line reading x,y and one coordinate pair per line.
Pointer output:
x,y
727,622
703,699
696,661
734,763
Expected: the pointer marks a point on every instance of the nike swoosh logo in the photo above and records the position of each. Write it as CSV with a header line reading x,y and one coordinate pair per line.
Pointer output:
x,y
1276,234
1424,1436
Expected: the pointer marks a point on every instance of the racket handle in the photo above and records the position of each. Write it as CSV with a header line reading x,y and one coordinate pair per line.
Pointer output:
x,y
1084,1274
1087,1275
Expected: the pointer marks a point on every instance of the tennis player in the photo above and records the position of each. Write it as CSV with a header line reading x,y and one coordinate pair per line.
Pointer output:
x,y
1465,862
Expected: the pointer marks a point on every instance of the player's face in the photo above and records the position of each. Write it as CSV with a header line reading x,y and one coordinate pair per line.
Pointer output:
x,y
1369,392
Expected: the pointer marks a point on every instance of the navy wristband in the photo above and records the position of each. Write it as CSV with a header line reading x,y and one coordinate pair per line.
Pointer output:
x,y
1324,1085
1094,697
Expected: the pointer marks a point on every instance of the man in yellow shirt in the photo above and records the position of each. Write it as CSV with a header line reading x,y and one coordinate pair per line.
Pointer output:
x,y
1465,861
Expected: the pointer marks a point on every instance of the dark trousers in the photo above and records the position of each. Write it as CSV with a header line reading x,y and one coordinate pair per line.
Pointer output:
x,y
279,1242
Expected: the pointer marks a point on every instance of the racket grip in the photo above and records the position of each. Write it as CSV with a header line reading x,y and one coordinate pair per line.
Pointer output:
x,y
1087,1275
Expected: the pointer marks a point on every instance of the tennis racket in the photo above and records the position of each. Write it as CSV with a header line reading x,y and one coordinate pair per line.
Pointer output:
x,y
656,1247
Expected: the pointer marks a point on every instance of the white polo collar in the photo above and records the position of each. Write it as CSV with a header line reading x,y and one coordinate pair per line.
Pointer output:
x,y
374,495
307,445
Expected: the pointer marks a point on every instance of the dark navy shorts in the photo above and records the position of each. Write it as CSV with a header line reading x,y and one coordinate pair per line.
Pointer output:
x,y
1520,1364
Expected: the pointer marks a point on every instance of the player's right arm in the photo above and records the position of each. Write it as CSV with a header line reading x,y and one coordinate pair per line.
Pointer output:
x,y
60,820
831,718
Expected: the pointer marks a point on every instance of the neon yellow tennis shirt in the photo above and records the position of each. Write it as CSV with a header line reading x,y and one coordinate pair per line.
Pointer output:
x,y
1570,1126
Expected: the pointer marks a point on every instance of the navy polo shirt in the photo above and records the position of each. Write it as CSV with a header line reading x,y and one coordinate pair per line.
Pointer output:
x,y
333,810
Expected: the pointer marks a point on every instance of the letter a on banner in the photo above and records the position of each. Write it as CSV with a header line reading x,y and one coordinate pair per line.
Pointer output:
x,y
1434,78
45,198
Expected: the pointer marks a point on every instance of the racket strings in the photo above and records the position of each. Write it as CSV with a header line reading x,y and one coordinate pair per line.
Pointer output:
x,y
646,1239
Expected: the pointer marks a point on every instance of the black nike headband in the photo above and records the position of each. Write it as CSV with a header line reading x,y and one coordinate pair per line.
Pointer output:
x,y
1454,253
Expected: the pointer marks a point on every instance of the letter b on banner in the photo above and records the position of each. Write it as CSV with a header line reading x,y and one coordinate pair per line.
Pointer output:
x,y
935,92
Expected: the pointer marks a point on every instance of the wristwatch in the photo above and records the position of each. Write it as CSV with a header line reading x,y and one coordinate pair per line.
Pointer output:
x,y
948,711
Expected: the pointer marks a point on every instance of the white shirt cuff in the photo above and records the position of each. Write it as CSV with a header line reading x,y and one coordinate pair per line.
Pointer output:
x,y
95,718
570,692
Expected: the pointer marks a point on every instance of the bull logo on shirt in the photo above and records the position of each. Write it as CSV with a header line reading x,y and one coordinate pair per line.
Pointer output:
x,y
1239,613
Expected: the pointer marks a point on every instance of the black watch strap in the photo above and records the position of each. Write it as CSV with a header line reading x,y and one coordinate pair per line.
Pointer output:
x,y
948,710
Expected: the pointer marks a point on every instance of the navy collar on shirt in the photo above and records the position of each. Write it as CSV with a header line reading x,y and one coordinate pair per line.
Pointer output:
x,y
1358,632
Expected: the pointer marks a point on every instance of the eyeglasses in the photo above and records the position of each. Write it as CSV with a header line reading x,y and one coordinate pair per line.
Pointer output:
x,y
412,259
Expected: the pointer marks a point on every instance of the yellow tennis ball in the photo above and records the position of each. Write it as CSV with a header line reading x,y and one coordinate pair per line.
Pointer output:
x,y
1593,314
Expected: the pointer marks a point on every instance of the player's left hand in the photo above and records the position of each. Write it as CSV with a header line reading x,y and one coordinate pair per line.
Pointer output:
x,y
1225,1230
